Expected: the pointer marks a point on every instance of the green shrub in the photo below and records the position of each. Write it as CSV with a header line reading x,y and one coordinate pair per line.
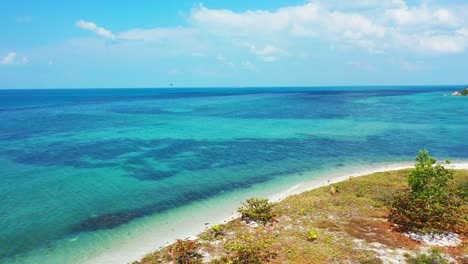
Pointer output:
x,y
464,92
247,249
434,258
216,230
257,210
431,204
312,235
429,180
184,252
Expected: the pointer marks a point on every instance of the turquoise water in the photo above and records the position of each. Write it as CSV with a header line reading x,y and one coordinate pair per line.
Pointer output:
x,y
93,163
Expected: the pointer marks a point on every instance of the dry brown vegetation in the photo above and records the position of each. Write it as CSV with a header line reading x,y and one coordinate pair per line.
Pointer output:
x,y
350,219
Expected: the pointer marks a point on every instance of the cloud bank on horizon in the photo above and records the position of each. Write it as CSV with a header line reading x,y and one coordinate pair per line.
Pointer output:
x,y
361,40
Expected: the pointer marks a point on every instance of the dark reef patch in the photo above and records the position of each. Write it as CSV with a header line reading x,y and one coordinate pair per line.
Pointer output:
x,y
148,173
109,220
171,200
209,154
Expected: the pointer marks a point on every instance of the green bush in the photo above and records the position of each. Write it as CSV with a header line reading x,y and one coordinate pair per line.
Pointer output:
x,y
464,92
185,252
257,210
434,258
247,249
216,230
431,204
312,235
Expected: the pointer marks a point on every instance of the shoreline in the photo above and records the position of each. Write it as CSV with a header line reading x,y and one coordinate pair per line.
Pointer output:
x,y
136,251
143,236
318,182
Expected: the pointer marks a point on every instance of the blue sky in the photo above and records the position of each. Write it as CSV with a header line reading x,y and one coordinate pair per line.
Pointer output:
x,y
94,44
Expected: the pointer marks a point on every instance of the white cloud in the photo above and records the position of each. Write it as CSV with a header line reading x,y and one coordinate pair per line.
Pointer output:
x,y
12,58
463,32
434,42
407,66
146,35
96,29
252,22
157,34
248,65
421,15
269,53
223,60
9,58
385,25
375,26
307,21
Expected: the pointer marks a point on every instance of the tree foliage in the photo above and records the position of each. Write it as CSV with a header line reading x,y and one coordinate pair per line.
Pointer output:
x,y
431,203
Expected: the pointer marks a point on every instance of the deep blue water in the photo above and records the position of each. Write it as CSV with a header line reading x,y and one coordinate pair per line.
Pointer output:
x,y
68,157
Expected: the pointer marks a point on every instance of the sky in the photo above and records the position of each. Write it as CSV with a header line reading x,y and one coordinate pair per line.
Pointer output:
x,y
220,43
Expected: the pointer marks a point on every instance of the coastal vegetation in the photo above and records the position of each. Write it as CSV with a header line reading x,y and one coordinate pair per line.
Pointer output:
x,y
184,252
463,92
432,203
435,257
257,210
346,222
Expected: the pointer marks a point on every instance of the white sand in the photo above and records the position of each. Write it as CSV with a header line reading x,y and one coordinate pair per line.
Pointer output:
x,y
336,177
163,230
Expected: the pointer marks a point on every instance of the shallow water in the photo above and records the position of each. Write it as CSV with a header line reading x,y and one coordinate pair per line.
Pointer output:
x,y
87,166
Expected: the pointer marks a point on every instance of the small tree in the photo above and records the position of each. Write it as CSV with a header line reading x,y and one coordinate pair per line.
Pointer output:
x,y
257,210
431,203
428,180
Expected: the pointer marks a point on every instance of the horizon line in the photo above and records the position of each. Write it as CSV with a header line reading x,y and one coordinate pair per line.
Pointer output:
x,y
238,87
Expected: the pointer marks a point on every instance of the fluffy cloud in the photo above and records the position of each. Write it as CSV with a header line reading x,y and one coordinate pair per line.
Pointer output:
x,y
387,24
375,26
12,58
138,34
91,26
309,20
248,65
421,15
254,22
269,53
158,34
9,58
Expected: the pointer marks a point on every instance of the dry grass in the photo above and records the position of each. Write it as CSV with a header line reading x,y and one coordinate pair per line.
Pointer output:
x,y
351,226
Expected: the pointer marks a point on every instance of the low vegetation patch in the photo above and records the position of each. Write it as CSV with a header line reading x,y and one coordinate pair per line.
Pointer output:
x,y
184,252
248,249
435,257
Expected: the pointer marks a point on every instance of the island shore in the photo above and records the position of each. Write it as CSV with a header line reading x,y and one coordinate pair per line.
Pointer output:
x,y
210,213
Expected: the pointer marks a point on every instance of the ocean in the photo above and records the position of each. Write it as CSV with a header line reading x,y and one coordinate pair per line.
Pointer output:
x,y
88,171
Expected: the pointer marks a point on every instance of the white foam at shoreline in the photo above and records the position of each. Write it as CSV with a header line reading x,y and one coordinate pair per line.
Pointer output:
x,y
212,212
336,177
